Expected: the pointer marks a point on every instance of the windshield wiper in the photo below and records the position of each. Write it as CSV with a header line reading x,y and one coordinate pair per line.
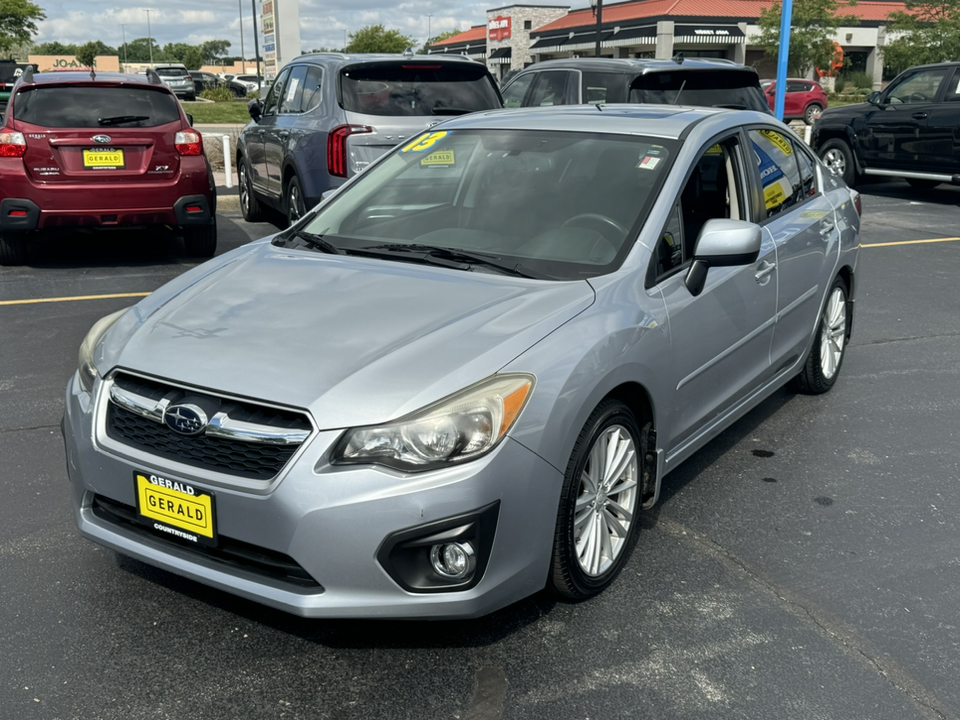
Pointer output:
x,y
317,242
119,119
461,259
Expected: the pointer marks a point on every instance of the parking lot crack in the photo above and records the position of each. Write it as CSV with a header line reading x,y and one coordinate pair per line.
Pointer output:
x,y
835,632
30,428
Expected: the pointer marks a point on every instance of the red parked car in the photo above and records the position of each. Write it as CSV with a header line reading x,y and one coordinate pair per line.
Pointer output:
x,y
805,99
101,151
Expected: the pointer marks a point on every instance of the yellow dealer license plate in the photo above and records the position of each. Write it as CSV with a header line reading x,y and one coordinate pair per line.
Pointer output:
x,y
108,159
176,508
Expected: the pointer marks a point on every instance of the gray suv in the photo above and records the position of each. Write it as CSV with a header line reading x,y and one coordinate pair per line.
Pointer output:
x,y
329,115
697,81
178,79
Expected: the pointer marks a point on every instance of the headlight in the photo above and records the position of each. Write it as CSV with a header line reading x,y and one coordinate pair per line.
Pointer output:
x,y
88,370
461,427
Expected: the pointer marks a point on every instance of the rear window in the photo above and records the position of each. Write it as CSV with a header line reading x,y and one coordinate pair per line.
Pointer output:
x,y
94,107
171,72
710,88
417,89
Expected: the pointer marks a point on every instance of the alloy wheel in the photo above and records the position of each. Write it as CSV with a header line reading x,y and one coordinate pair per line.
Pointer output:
x,y
607,501
833,334
835,161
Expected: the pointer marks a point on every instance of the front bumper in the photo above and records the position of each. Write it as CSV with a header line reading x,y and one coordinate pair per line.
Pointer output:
x,y
334,523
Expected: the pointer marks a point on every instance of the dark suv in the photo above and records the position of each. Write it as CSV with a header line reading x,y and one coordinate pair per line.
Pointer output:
x,y
101,151
329,115
907,131
695,81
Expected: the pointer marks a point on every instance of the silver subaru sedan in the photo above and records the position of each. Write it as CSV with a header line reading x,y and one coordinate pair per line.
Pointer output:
x,y
460,379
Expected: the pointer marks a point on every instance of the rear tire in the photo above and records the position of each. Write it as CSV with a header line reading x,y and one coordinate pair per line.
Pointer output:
x,y
200,241
812,113
921,184
249,205
838,158
597,517
294,201
829,345
13,249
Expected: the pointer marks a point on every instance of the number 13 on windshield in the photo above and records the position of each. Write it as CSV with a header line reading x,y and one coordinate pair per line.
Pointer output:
x,y
425,142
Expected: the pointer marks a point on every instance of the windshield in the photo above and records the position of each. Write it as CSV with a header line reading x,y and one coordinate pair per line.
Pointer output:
x,y
709,88
560,205
93,106
417,89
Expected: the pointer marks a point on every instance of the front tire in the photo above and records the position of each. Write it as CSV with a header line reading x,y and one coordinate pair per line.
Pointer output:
x,y
597,516
829,345
812,113
838,158
13,249
200,241
249,205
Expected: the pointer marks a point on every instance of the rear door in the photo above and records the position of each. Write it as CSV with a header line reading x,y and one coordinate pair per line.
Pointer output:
x,y
100,132
397,100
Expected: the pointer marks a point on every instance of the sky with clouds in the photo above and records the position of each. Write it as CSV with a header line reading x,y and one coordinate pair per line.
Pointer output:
x,y
323,22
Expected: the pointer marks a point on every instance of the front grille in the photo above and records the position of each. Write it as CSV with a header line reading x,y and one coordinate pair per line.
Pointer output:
x,y
234,553
139,425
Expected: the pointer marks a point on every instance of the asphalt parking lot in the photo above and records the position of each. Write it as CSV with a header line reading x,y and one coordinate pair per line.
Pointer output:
x,y
806,564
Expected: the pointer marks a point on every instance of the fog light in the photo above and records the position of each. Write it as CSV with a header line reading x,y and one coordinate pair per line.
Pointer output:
x,y
453,560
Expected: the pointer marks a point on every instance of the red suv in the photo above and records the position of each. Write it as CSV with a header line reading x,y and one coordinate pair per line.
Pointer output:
x,y
805,99
101,151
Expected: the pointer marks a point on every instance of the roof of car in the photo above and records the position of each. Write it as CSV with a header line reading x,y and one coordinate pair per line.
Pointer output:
x,y
86,77
666,121
640,66
366,57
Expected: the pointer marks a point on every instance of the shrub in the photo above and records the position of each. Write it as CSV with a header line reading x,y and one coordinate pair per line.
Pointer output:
x,y
220,94
855,81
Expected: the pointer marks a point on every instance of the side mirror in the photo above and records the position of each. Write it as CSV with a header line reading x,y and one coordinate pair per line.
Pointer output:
x,y
874,98
255,109
722,243
190,119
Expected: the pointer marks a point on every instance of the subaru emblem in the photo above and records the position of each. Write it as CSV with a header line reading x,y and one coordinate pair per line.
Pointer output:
x,y
102,139
185,419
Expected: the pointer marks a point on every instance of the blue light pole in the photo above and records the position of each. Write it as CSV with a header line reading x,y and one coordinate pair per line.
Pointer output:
x,y
786,20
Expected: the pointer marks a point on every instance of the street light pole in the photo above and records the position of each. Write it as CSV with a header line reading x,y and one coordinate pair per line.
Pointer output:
x,y
123,29
598,11
428,32
243,56
256,44
149,38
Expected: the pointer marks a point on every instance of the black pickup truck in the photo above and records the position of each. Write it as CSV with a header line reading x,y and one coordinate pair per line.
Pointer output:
x,y
910,130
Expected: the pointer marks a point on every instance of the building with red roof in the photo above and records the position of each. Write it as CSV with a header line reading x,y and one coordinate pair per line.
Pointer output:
x,y
516,36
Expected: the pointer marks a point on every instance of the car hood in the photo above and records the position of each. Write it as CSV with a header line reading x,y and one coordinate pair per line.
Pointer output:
x,y
356,341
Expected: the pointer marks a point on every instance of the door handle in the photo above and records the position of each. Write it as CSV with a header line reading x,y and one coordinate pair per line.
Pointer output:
x,y
919,116
764,271
826,228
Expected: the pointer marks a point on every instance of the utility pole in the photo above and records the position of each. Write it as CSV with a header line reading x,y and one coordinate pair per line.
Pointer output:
x,y
599,12
243,56
149,38
256,44
123,29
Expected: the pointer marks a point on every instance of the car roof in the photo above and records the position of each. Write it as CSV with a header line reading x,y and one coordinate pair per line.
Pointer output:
x,y
640,66
62,78
346,58
666,121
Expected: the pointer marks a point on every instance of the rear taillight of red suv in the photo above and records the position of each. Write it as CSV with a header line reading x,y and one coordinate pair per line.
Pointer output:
x,y
12,144
337,147
189,142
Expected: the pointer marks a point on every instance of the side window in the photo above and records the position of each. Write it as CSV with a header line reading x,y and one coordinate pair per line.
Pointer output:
x,y
714,189
550,89
778,169
311,88
808,177
514,93
603,88
293,92
273,97
953,89
920,87
797,87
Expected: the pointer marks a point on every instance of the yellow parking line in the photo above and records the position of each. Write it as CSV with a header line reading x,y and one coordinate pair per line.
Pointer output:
x,y
76,298
911,242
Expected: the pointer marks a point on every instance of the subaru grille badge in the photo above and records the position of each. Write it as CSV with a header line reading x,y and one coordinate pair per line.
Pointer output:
x,y
102,139
185,419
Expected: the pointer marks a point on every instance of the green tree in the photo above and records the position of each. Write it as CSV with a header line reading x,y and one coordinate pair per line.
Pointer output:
x,y
931,34
86,54
138,51
377,39
813,26
54,48
193,58
425,50
213,50
18,23
176,51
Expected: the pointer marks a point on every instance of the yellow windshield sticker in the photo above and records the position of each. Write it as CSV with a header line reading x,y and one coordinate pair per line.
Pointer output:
x,y
439,158
715,150
425,142
783,145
